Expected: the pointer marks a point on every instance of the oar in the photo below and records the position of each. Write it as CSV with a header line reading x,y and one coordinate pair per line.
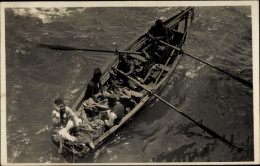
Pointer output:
x,y
209,131
243,81
58,47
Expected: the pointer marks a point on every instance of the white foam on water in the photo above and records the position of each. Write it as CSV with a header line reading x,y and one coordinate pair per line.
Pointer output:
x,y
109,151
75,90
210,57
46,128
190,74
164,10
15,154
47,15
22,137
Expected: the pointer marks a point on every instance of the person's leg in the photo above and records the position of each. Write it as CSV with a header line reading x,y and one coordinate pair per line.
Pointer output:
x,y
106,94
63,134
92,146
136,94
131,84
72,124
69,125
87,126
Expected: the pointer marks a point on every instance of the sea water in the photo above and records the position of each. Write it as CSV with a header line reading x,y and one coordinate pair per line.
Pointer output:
x,y
37,76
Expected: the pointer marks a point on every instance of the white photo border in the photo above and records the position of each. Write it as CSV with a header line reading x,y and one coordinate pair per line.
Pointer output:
x,y
255,47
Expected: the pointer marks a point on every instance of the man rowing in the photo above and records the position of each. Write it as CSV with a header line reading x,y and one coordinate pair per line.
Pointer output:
x,y
154,53
126,68
159,31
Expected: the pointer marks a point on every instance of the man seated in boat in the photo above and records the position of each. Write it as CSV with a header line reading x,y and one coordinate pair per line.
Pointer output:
x,y
64,115
94,88
127,69
92,128
159,31
126,96
120,85
92,108
86,129
86,133
94,93
155,54
116,112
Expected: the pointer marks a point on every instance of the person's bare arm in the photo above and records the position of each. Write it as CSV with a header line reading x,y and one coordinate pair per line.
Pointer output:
x,y
132,68
73,115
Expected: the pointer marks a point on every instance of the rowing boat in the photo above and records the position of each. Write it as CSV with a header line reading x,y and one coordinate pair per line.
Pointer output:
x,y
178,26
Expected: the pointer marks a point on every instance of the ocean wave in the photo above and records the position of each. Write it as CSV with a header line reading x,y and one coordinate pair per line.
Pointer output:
x,y
164,10
47,15
16,150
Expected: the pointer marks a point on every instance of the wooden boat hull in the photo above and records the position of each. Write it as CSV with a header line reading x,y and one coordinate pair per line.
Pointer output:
x,y
179,25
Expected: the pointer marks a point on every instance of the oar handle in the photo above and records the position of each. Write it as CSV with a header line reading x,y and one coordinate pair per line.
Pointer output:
x,y
167,44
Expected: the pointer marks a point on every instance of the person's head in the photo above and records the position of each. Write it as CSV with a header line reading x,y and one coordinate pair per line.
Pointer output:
x,y
59,104
159,23
97,73
103,116
123,57
111,100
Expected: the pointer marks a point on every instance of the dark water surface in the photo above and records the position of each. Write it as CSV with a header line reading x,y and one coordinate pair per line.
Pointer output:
x,y
36,76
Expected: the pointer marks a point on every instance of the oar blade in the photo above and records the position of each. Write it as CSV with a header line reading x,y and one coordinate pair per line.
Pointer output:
x,y
56,47
65,48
